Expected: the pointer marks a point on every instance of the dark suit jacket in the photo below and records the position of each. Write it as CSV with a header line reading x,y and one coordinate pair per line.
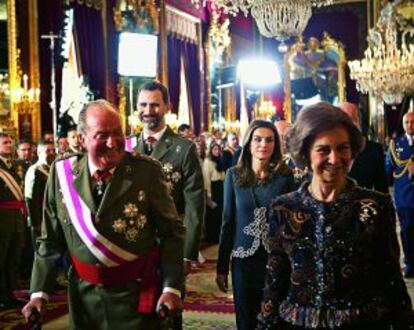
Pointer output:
x,y
183,172
368,168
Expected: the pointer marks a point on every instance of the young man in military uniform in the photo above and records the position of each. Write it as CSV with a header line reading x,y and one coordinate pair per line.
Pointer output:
x,y
180,165
11,224
399,165
111,210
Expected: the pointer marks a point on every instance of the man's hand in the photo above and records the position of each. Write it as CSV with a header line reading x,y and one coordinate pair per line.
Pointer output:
x,y
35,303
172,301
222,283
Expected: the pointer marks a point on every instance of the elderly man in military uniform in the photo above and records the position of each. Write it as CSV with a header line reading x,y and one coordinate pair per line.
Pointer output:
x,y
180,164
399,165
112,211
12,225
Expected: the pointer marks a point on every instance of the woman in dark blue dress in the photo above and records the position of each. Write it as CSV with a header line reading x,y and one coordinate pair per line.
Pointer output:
x,y
249,187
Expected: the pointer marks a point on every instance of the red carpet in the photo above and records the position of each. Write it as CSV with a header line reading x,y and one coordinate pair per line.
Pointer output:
x,y
202,297
13,319
202,293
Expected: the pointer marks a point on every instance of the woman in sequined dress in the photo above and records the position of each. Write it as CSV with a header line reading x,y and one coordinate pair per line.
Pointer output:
x,y
334,261
248,189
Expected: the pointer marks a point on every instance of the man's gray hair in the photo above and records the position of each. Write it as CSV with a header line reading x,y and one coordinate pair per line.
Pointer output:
x,y
101,103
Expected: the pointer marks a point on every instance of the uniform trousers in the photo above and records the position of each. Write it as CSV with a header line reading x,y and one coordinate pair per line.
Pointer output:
x,y
406,218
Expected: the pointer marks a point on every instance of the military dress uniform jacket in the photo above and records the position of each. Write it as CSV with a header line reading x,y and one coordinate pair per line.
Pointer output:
x,y
242,232
182,171
11,220
399,154
136,212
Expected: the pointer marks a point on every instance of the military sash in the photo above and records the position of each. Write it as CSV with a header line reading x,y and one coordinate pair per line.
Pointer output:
x,y
11,184
81,217
130,143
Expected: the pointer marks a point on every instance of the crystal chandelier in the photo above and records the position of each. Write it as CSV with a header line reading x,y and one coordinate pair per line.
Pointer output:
x,y
386,70
280,19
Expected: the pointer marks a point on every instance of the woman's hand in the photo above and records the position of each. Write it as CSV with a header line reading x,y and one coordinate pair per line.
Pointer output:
x,y
222,283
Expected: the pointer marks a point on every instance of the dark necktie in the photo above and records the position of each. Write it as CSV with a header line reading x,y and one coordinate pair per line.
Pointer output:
x,y
100,180
149,144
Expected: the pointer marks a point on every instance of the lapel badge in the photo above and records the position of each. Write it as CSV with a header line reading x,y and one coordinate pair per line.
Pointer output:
x,y
178,149
368,210
141,195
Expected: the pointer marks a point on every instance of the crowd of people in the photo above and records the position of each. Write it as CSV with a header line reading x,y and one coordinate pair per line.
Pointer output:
x,y
302,215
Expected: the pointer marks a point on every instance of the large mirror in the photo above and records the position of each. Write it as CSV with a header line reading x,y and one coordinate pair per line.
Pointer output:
x,y
315,71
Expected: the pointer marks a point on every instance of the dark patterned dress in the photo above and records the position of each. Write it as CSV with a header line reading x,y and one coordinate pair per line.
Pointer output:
x,y
334,265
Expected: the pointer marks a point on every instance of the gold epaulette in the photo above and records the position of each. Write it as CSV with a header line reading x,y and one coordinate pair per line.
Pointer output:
x,y
67,155
397,161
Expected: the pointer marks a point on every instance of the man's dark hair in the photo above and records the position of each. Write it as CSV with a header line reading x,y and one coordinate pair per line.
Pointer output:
x,y
183,127
22,141
156,86
4,134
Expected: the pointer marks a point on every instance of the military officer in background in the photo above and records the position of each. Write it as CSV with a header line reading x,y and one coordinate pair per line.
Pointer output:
x,y
180,165
111,210
12,224
35,185
399,165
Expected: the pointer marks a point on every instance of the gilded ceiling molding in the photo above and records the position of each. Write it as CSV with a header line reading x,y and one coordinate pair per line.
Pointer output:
x,y
182,25
97,4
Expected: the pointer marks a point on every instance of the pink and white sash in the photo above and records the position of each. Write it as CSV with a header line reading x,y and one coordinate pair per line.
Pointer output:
x,y
81,217
11,184
130,143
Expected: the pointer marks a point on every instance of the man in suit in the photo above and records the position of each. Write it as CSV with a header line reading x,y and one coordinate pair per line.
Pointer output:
x,y
399,164
180,164
11,224
112,212
232,146
368,168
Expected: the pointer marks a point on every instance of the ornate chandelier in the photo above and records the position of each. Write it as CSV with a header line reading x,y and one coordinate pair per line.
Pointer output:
x,y
386,70
280,19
